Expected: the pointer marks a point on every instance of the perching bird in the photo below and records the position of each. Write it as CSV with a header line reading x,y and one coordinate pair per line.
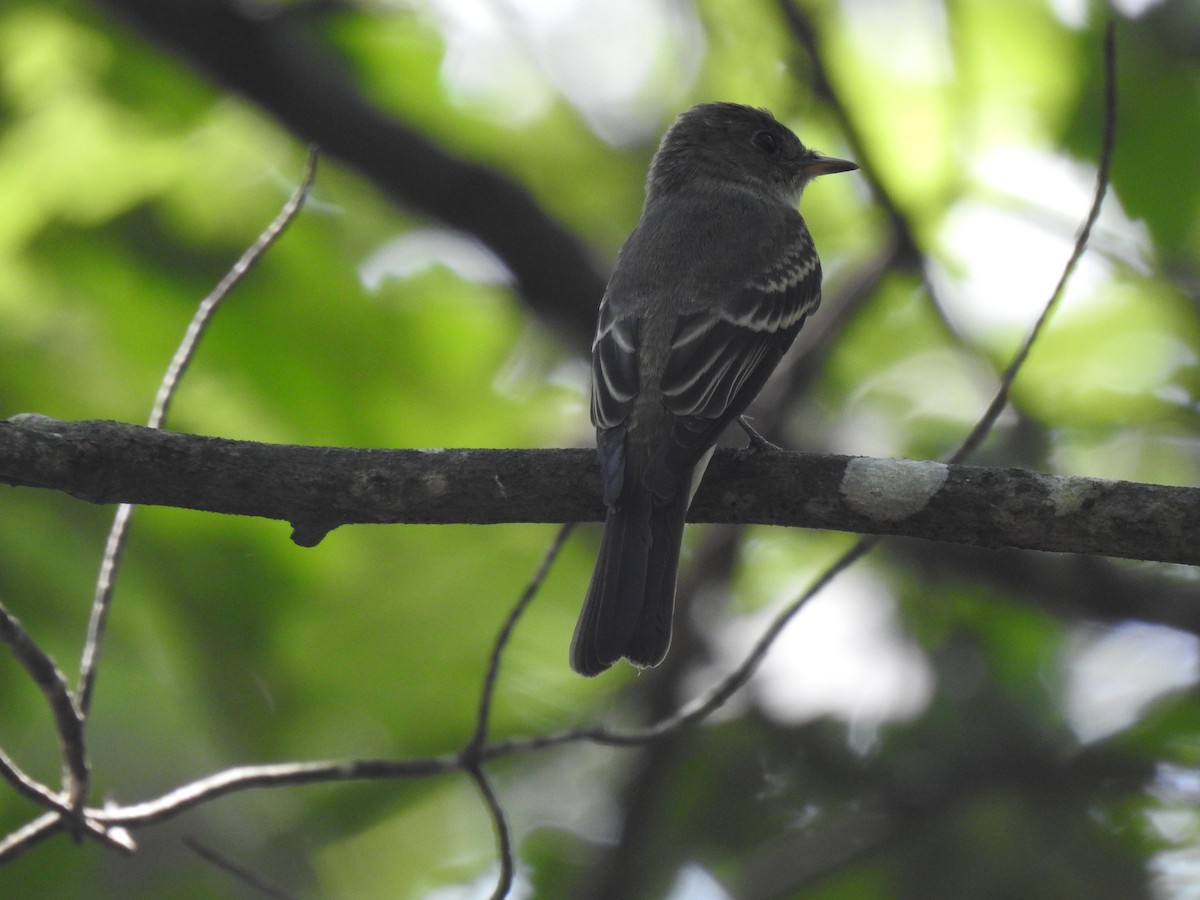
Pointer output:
x,y
708,293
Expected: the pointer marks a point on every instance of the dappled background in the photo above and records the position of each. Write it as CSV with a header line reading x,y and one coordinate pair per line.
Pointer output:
x,y
940,722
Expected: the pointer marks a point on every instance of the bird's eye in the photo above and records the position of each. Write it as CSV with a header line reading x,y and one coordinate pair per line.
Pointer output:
x,y
764,141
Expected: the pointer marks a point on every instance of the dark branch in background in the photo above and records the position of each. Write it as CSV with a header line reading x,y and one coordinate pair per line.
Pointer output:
x,y
1001,757
275,62
906,252
1069,587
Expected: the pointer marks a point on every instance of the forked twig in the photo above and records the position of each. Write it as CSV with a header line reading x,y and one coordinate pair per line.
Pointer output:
x,y
116,837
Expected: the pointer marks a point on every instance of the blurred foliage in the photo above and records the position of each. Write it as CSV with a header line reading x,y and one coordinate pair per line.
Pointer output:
x,y
128,185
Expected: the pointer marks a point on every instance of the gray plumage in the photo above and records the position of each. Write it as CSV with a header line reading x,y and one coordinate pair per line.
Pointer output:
x,y
708,293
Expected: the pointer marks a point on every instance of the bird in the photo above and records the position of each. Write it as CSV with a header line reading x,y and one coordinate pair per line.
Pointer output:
x,y
707,294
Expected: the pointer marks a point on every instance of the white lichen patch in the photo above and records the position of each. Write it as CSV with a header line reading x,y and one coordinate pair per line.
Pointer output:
x,y
1069,494
888,490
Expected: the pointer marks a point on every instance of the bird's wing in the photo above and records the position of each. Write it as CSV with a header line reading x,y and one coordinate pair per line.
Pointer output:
x,y
614,387
614,367
722,350
721,354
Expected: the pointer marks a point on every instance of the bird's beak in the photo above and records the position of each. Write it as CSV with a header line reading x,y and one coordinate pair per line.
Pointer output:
x,y
827,165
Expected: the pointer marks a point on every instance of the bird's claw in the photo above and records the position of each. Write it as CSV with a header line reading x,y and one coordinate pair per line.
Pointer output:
x,y
756,441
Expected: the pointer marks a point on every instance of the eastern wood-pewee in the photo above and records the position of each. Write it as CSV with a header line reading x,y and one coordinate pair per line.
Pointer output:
x,y
708,293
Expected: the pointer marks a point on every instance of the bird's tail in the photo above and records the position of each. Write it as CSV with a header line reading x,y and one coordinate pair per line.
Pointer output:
x,y
631,598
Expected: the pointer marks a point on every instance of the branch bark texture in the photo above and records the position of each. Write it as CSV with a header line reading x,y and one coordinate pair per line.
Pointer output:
x,y
317,489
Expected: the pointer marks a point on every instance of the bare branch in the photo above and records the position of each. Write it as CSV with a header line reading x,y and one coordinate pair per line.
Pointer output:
x,y
30,787
114,548
208,306
29,836
471,754
319,488
229,781
273,775
823,88
504,848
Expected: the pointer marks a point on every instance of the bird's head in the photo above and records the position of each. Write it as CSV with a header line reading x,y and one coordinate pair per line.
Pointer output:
x,y
727,146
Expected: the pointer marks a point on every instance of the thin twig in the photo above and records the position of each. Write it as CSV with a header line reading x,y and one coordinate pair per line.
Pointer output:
x,y
470,755
29,836
27,785
241,873
229,781
68,722
208,306
114,548
1108,140
110,564
503,835
716,696
272,775
483,716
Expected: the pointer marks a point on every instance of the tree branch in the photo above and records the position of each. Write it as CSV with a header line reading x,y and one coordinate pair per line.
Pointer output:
x,y
317,489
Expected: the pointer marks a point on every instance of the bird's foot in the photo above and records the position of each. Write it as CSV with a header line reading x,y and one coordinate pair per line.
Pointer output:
x,y
756,441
